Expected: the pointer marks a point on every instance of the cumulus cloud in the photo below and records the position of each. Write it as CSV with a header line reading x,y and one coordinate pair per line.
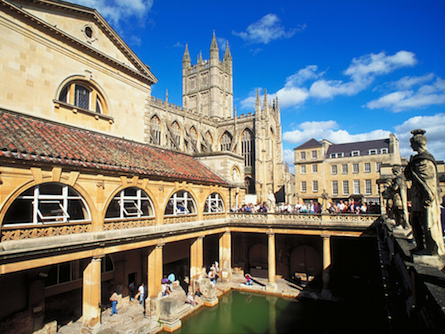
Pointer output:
x,y
433,125
267,29
310,82
117,11
328,130
414,92
362,72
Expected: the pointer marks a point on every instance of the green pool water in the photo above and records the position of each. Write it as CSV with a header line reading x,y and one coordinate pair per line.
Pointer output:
x,y
239,312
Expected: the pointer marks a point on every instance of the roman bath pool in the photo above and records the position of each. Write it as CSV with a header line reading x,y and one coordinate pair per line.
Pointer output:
x,y
241,312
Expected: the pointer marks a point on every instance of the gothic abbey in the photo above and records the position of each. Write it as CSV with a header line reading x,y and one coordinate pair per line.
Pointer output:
x,y
244,149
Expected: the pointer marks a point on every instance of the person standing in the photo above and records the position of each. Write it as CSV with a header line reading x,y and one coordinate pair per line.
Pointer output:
x,y
113,300
425,213
141,294
131,289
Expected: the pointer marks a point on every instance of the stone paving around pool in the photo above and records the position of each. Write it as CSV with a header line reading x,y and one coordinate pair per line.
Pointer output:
x,y
131,320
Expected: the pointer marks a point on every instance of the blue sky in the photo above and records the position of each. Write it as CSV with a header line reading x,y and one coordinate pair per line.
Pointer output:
x,y
342,70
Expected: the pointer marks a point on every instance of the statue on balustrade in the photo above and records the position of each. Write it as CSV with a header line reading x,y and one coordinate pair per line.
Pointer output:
x,y
425,211
396,196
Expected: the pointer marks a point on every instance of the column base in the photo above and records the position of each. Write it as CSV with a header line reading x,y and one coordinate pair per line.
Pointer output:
x,y
210,302
171,326
326,294
271,287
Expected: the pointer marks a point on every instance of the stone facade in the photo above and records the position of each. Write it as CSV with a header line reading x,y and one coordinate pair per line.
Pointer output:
x,y
207,124
342,171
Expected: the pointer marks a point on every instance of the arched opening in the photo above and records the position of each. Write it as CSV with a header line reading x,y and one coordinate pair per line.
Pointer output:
x,y
181,203
214,204
304,263
48,203
130,203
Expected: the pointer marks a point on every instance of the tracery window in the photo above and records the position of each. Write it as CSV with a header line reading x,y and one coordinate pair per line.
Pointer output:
x,y
155,128
213,204
176,133
181,203
84,95
226,141
247,148
130,203
48,203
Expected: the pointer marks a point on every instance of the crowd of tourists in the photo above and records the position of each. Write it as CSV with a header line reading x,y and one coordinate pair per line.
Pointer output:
x,y
351,207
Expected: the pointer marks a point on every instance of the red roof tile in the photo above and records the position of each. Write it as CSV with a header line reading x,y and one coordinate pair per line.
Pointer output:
x,y
27,138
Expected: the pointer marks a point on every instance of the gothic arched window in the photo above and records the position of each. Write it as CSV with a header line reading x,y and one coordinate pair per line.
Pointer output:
x,y
176,134
155,131
226,141
247,148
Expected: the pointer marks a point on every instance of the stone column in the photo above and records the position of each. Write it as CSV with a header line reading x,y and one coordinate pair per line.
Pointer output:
x,y
271,261
225,256
155,271
91,304
196,258
326,293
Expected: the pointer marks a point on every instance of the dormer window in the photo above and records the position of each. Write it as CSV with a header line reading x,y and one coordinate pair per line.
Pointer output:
x,y
384,151
372,152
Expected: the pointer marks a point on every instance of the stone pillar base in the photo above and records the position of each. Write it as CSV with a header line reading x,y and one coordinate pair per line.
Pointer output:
x,y
271,287
171,325
210,302
326,294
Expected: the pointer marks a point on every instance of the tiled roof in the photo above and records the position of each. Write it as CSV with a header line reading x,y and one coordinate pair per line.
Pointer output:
x,y
362,146
31,139
312,143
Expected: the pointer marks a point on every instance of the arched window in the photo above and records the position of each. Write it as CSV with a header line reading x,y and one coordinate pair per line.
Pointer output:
x,y
181,203
247,148
48,203
82,94
130,203
176,134
226,141
213,204
155,131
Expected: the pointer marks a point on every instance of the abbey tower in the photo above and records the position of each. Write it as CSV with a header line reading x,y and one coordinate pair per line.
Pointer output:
x,y
207,87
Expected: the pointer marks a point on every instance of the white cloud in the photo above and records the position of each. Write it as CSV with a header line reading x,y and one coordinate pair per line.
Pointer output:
x,y
434,126
116,11
431,92
329,130
309,82
267,29
362,71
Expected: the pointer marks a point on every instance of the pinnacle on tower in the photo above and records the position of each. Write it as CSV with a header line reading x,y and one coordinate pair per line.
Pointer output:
x,y
257,102
214,50
227,54
186,59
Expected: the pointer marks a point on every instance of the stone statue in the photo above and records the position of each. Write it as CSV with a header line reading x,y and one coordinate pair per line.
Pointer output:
x,y
271,201
425,214
396,195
